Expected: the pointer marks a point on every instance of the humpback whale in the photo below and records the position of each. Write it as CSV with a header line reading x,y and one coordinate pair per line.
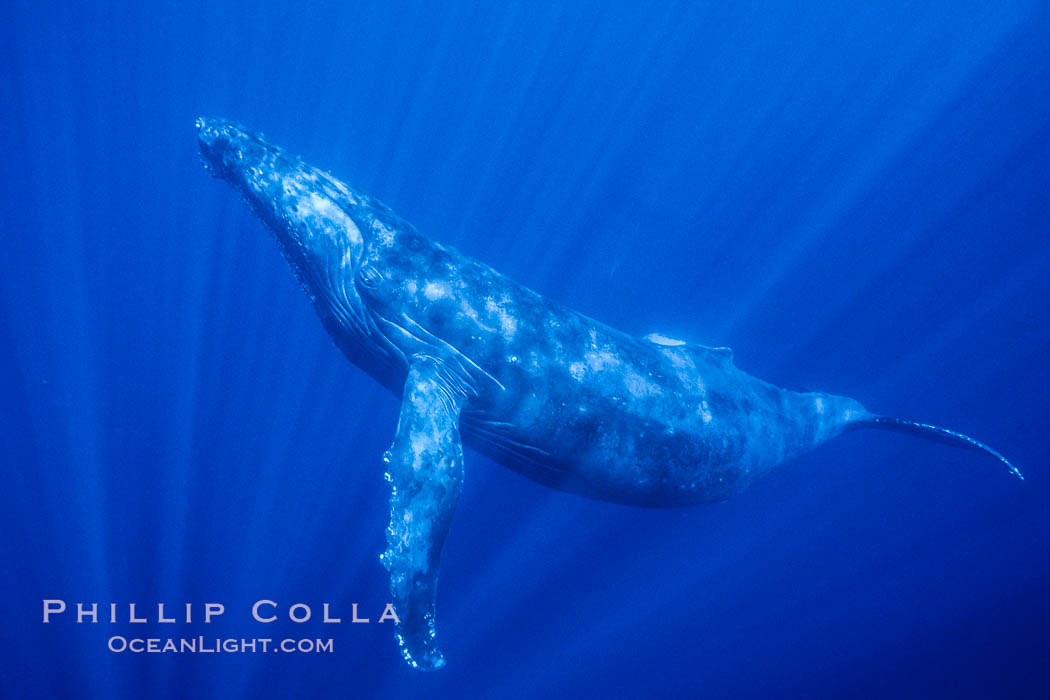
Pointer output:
x,y
478,359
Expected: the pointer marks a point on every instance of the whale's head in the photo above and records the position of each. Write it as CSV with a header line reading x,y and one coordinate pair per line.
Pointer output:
x,y
311,213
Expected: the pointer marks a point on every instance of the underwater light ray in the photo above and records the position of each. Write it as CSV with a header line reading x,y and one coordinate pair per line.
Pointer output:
x,y
707,566
965,319
515,571
870,162
488,100
68,429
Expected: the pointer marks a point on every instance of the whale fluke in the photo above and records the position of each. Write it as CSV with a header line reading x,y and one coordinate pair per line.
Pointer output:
x,y
936,434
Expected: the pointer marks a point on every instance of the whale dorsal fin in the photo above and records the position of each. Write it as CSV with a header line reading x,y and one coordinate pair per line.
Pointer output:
x,y
700,352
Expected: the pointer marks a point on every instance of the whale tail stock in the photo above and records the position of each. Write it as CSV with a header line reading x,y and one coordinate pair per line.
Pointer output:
x,y
934,433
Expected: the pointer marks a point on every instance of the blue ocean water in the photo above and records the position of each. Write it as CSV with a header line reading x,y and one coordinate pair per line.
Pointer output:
x,y
855,197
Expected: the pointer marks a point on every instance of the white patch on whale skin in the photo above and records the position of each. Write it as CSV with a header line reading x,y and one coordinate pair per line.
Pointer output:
x,y
507,322
660,339
419,444
382,235
577,370
639,386
318,214
601,360
316,205
704,411
536,366
471,313
819,402
680,361
436,290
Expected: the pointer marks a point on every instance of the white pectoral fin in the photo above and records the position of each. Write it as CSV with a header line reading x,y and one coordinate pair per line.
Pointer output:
x,y
425,471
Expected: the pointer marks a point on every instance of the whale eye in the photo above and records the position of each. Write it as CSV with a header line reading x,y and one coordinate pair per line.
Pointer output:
x,y
369,277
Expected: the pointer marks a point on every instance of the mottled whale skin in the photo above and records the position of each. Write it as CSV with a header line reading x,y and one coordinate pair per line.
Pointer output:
x,y
477,358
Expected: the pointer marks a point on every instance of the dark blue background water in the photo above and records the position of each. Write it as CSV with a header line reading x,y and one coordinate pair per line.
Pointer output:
x,y
856,198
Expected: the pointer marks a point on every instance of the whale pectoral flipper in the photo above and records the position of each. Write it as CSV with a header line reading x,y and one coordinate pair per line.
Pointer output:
x,y
425,471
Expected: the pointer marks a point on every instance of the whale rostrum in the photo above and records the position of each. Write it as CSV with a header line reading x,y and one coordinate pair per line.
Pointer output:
x,y
478,359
